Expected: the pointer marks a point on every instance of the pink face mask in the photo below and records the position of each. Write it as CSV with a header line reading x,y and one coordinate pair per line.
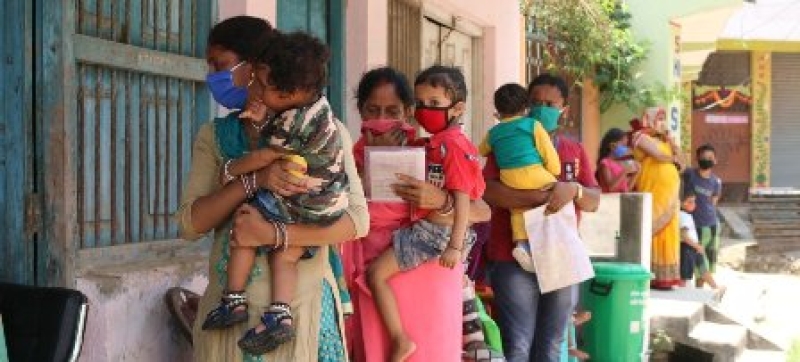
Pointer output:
x,y
380,126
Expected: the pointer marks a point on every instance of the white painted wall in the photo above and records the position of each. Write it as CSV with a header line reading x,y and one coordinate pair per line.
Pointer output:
x,y
128,319
263,9
499,22
367,34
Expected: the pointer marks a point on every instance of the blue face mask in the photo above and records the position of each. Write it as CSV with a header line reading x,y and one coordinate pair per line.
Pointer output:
x,y
621,151
225,92
547,115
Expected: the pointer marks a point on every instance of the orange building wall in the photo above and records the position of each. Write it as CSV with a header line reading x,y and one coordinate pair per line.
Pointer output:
x,y
590,128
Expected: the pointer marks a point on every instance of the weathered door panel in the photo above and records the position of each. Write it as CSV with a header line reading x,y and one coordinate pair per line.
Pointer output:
x,y
18,206
140,100
729,134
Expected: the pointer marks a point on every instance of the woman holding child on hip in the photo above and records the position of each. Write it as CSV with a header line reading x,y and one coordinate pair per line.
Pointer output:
x,y
385,101
216,199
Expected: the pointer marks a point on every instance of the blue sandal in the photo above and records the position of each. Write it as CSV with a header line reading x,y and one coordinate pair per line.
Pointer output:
x,y
226,314
274,335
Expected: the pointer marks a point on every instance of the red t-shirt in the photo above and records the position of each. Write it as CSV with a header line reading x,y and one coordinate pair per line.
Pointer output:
x,y
453,161
575,166
453,164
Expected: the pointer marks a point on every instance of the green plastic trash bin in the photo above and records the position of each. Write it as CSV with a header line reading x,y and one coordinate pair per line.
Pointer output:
x,y
616,297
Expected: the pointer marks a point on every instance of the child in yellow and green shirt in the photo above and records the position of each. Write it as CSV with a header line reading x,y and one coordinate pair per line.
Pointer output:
x,y
524,153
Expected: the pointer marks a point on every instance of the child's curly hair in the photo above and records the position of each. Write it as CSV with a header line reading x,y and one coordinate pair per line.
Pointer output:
x,y
511,99
297,61
450,78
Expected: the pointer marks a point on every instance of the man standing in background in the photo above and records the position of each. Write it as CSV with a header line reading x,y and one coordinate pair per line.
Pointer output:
x,y
707,187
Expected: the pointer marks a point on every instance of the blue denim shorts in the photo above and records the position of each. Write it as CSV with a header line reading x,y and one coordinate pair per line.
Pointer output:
x,y
423,241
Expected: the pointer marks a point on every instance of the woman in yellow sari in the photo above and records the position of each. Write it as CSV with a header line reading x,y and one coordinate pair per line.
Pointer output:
x,y
659,156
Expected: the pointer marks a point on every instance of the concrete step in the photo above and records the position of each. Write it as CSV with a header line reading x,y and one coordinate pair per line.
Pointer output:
x,y
756,338
676,318
738,227
726,342
755,355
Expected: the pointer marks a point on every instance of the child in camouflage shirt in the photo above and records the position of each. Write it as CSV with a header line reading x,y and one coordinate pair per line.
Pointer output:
x,y
286,87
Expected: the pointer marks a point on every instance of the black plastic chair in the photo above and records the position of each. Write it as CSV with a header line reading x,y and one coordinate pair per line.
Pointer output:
x,y
42,324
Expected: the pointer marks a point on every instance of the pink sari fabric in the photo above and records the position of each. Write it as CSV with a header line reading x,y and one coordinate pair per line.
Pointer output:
x,y
429,297
615,169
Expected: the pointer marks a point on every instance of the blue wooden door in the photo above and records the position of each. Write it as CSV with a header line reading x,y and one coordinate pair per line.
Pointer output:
x,y
324,19
123,97
17,189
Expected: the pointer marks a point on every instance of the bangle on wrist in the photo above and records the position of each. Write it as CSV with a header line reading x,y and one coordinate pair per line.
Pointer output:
x,y
455,248
246,186
579,192
277,233
448,207
281,234
227,170
249,183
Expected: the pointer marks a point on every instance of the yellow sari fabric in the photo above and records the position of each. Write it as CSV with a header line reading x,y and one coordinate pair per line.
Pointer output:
x,y
662,180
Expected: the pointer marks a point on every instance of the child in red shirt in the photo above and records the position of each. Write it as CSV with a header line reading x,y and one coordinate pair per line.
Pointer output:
x,y
453,164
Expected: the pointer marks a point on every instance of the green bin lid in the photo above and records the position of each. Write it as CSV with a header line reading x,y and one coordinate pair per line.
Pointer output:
x,y
621,271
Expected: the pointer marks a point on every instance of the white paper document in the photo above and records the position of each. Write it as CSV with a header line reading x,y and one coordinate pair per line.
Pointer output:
x,y
559,256
382,164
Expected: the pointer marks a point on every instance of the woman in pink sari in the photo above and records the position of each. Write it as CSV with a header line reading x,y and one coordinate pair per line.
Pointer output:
x,y
429,297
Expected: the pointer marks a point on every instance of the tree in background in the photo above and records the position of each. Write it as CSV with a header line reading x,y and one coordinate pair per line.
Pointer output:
x,y
592,39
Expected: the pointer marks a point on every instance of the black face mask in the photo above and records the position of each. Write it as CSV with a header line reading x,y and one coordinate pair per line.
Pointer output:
x,y
705,164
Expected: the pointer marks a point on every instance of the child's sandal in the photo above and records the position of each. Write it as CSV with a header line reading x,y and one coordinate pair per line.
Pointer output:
x,y
226,313
275,334
478,351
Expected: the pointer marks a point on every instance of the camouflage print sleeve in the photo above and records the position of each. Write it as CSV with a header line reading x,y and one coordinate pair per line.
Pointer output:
x,y
315,136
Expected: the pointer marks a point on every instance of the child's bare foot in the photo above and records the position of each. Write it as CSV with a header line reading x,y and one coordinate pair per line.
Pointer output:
x,y
580,355
403,348
581,317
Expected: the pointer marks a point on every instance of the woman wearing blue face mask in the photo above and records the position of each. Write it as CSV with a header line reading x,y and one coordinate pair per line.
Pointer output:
x,y
229,44
616,169
211,205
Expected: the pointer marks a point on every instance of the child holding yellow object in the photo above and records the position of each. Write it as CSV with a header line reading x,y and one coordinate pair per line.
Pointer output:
x,y
286,106
524,153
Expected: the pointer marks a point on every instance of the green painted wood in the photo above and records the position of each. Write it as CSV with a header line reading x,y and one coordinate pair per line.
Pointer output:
x,y
131,198
136,142
317,19
292,15
55,118
111,54
337,41
120,180
16,148
125,97
324,19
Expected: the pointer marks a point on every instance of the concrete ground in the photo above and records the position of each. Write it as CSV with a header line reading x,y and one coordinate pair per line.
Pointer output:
x,y
770,300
